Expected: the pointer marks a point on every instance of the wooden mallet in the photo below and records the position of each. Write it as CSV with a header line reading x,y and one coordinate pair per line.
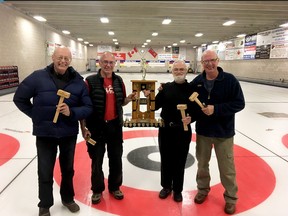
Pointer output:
x,y
63,95
182,108
91,141
193,97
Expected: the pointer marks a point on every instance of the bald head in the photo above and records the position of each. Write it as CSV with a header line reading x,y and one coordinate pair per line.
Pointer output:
x,y
61,58
107,63
211,53
107,54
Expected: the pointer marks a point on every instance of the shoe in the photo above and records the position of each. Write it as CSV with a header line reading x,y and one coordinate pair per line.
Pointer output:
x,y
96,198
72,206
230,208
44,212
117,194
199,198
177,197
164,193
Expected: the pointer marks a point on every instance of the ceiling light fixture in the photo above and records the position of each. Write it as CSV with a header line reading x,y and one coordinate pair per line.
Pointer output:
x,y
166,21
114,40
86,42
174,44
104,20
65,32
111,33
148,40
182,41
241,35
198,34
80,39
215,42
284,25
40,18
154,34
228,23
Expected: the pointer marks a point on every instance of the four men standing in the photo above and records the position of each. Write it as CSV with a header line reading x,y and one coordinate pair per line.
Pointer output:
x,y
219,91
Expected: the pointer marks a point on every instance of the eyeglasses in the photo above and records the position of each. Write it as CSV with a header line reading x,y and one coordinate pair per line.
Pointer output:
x,y
108,62
178,69
206,62
66,59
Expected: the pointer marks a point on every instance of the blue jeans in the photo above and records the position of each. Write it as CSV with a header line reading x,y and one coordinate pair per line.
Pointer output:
x,y
47,151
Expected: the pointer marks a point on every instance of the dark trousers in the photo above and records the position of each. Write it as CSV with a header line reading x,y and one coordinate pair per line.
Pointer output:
x,y
47,151
110,135
174,145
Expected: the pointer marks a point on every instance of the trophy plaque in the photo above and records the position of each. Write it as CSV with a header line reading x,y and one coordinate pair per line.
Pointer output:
x,y
143,108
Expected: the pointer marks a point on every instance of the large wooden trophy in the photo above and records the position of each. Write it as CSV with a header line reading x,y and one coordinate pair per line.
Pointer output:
x,y
146,117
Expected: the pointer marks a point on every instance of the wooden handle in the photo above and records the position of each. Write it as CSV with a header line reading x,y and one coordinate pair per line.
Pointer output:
x,y
57,109
199,103
91,141
183,116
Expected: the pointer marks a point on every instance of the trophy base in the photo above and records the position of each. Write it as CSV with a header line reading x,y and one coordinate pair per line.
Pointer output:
x,y
143,123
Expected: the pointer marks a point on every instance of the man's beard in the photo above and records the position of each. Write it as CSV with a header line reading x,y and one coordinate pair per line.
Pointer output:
x,y
179,79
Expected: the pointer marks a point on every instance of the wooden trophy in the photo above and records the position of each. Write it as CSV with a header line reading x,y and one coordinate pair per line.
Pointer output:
x,y
142,118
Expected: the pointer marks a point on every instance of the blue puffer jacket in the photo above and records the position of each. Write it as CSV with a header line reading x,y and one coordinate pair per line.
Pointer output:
x,y
227,98
41,88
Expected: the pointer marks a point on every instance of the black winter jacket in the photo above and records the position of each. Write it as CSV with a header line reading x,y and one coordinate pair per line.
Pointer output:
x,y
227,98
40,87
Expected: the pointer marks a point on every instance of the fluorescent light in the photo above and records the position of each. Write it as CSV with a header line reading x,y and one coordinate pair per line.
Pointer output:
x,y
194,47
116,43
148,40
215,42
114,40
104,20
169,46
154,34
166,21
86,42
174,44
241,35
284,25
40,18
111,33
65,32
90,44
80,39
203,44
198,34
228,23
182,41
143,46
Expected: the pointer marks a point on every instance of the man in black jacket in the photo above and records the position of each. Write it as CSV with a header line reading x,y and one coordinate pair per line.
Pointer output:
x,y
42,86
108,95
222,96
173,140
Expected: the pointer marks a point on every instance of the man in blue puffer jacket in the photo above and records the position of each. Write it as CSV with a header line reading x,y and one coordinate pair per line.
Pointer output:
x,y
42,86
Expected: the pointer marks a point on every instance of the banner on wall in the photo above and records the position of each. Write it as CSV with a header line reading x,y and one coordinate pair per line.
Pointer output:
x,y
50,46
152,52
165,56
250,46
132,52
279,43
103,48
